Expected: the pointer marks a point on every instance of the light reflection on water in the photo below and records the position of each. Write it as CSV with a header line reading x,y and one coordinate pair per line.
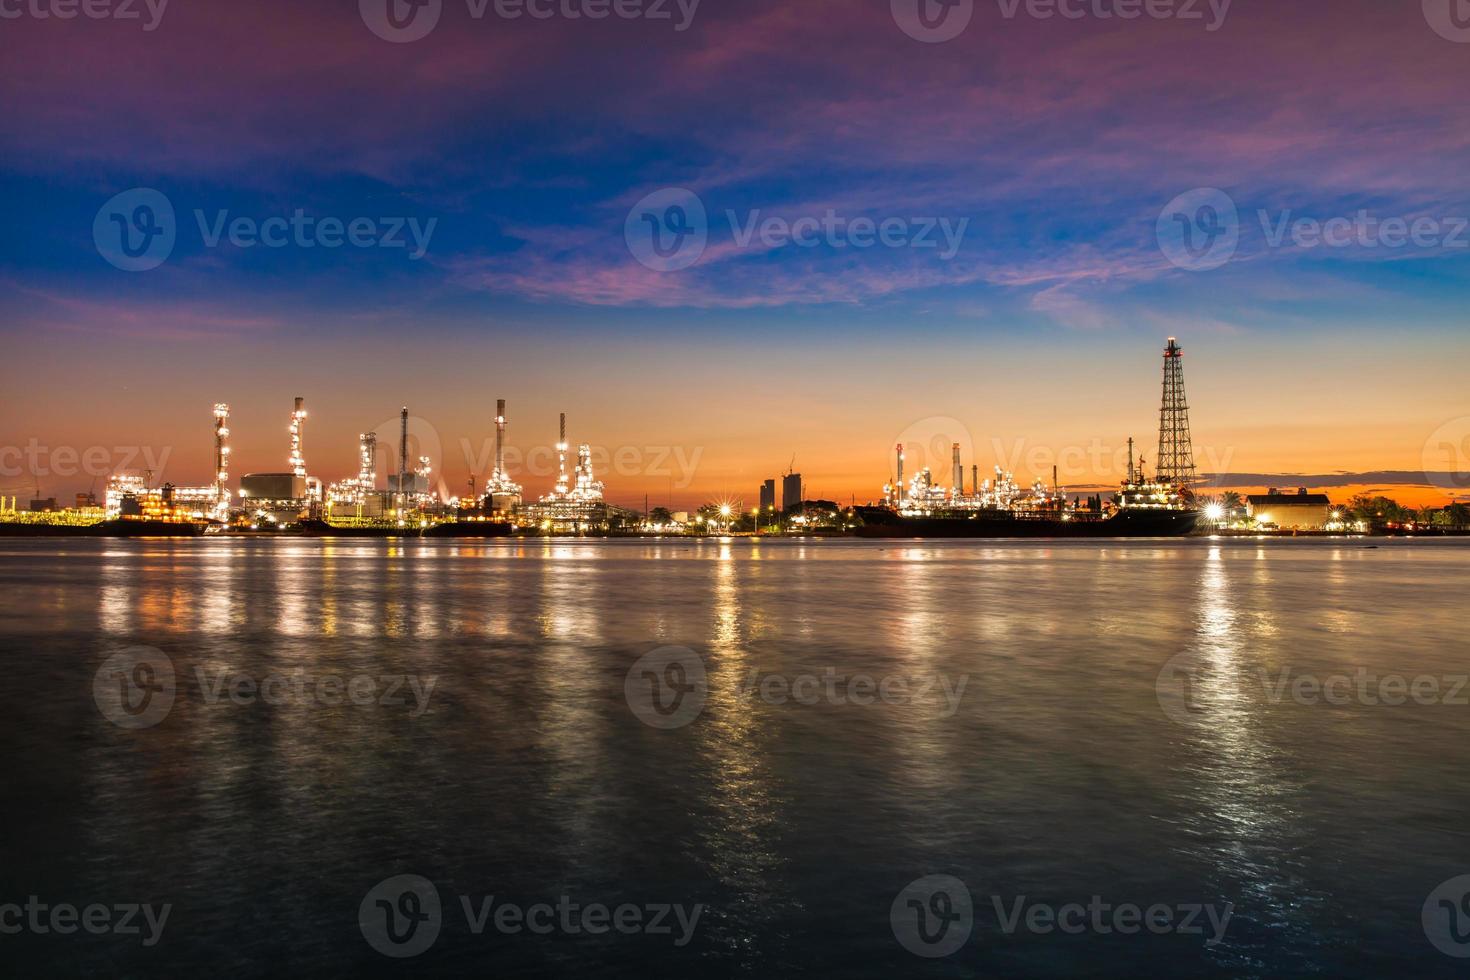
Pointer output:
x,y
1058,773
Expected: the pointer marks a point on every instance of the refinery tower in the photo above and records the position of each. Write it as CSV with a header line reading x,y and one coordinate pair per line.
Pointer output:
x,y
1175,462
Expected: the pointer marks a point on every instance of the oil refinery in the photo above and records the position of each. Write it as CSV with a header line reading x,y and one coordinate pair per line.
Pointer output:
x,y
401,496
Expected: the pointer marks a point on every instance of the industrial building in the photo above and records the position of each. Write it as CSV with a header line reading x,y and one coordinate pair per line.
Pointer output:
x,y
502,494
285,497
1300,511
576,504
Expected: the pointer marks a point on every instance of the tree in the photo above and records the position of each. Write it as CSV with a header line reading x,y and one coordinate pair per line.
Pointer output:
x,y
660,515
1379,510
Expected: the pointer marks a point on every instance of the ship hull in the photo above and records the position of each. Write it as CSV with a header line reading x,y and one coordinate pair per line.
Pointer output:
x,y
1129,523
468,529
448,529
128,528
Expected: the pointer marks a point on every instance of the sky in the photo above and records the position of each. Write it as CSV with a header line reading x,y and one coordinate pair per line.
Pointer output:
x,y
728,238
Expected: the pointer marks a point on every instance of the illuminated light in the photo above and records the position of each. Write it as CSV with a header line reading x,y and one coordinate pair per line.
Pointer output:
x,y
1214,512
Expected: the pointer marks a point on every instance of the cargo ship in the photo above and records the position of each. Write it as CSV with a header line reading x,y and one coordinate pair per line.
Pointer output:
x,y
1001,509
884,522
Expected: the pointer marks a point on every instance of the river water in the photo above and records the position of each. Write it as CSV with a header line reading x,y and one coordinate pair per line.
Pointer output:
x,y
682,757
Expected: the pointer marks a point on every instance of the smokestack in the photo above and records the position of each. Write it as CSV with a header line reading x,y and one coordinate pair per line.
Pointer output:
x,y
959,473
899,450
500,439
561,456
367,460
298,423
403,461
974,478
222,461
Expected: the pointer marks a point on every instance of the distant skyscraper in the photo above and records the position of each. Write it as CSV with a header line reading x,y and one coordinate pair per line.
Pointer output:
x,y
768,495
790,490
